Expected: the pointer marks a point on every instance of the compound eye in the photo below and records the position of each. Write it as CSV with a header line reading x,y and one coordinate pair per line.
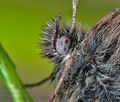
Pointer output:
x,y
63,45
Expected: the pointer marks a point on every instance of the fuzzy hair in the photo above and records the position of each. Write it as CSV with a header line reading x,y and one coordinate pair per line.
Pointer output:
x,y
95,74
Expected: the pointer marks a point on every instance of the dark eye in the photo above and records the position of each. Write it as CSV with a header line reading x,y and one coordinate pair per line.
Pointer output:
x,y
63,45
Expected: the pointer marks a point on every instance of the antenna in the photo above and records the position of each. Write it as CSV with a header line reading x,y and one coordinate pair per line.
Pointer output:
x,y
74,9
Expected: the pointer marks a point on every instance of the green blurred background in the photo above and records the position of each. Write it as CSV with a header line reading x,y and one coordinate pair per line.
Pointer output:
x,y
21,23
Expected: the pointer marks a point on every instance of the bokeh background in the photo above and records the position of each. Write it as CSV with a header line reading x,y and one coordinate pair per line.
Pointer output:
x,y
21,23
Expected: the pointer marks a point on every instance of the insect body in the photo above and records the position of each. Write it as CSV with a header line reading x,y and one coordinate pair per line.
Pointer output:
x,y
88,63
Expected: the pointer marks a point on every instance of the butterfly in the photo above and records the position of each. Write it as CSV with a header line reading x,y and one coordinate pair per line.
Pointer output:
x,y
91,57
87,61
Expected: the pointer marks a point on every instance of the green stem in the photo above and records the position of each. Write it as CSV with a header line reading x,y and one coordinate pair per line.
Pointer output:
x,y
11,79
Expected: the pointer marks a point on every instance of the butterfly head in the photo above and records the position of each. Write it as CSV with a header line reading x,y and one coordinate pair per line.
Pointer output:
x,y
57,42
